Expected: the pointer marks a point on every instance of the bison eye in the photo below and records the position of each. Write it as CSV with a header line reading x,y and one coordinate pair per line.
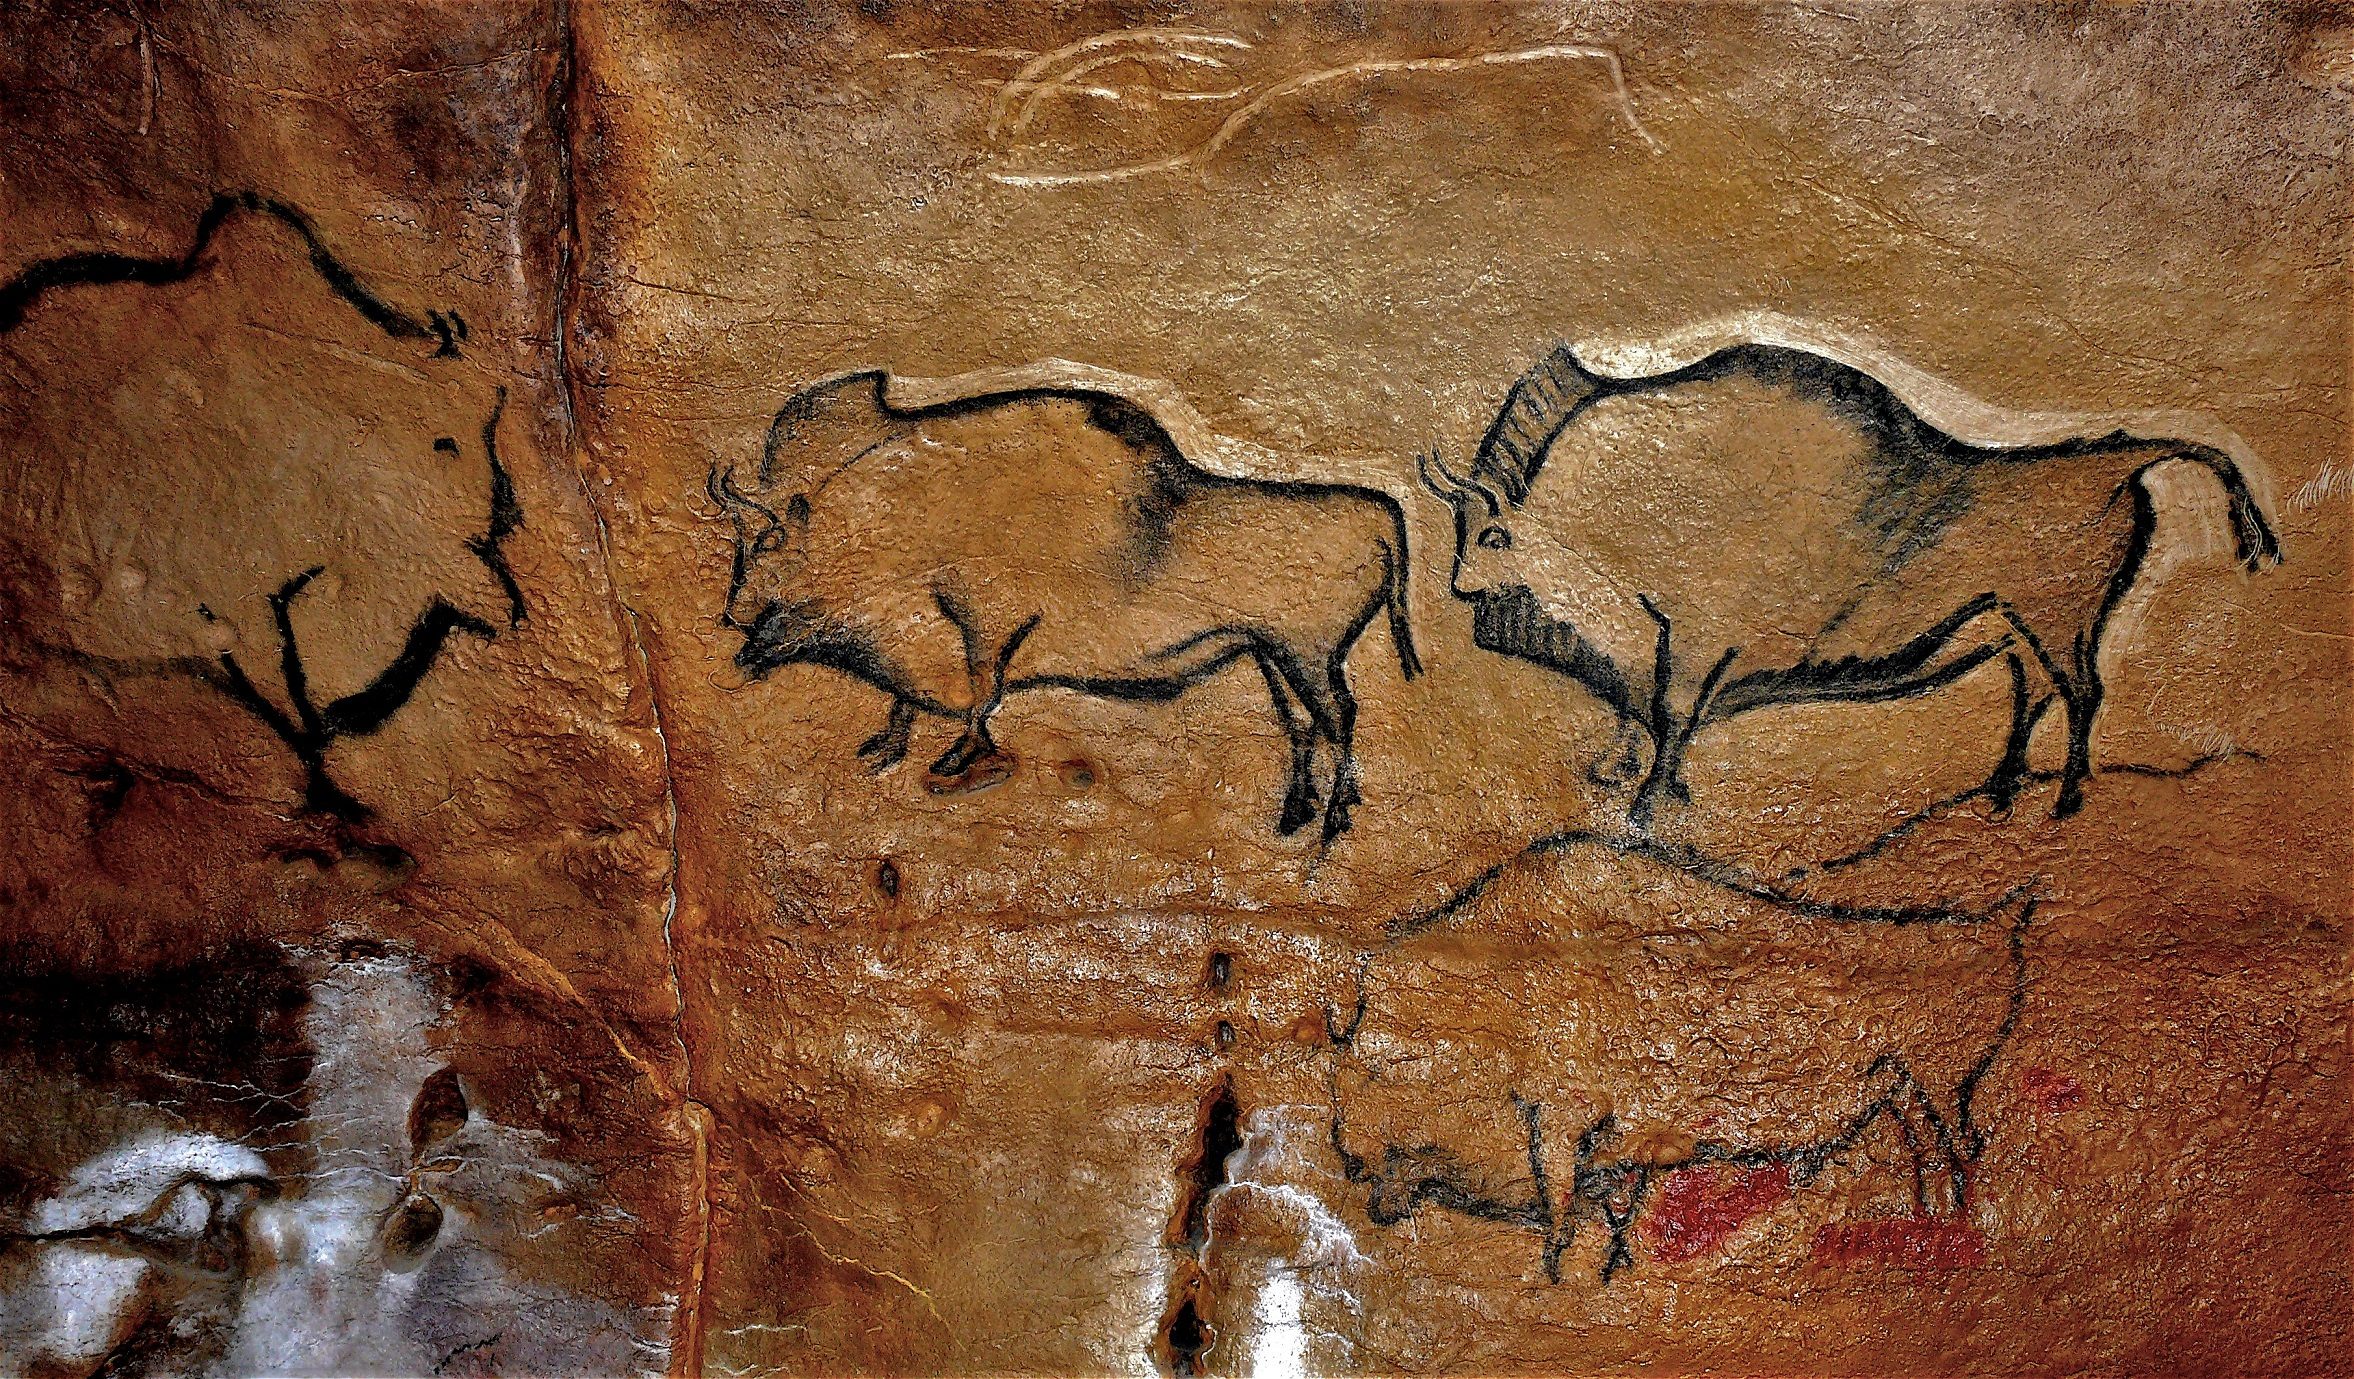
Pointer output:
x,y
1495,539
767,541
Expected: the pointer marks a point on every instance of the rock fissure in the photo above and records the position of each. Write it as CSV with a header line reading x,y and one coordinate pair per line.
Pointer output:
x,y
686,1346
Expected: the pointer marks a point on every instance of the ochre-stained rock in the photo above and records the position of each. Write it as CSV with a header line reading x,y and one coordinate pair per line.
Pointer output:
x,y
339,1030
816,688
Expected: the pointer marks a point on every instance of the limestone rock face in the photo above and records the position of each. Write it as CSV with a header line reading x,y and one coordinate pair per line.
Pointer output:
x,y
773,689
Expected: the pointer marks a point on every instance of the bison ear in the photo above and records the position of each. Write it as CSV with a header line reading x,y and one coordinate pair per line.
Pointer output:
x,y
797,509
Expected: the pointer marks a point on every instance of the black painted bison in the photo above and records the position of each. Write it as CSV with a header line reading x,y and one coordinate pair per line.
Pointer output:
x,y
1771,526
216,462
953,554
1590,1016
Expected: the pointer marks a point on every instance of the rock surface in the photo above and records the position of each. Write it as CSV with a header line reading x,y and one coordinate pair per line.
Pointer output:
x,y
756,689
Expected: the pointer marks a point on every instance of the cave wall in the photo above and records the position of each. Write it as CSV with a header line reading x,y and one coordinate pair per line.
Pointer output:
x,y
761,688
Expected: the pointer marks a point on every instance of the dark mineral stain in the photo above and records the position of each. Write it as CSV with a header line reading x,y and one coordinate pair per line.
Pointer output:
x,y
439,1111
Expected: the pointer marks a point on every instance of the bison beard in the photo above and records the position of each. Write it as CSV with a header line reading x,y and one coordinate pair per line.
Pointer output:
x,y
799,633
1515,624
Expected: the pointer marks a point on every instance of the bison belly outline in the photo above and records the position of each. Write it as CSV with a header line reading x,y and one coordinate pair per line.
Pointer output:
x,y
235,461
1770,525
1632,1010
954,554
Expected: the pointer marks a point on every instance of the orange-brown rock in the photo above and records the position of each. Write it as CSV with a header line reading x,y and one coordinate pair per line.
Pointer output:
x,y
821,688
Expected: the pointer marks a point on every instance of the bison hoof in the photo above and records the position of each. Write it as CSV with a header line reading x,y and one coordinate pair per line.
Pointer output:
x,y
1297,810
992,769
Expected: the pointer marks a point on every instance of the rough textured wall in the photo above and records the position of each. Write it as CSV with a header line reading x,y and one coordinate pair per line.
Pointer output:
x,y
896,688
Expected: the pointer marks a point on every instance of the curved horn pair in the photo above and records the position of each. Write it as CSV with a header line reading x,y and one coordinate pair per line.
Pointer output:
x,y
727,495
1441,480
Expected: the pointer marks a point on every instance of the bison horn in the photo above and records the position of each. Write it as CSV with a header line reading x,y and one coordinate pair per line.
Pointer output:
x,y
1423,466
737,497
1441,480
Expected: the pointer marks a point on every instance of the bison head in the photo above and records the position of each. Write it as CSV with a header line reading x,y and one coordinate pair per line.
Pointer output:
x,y
777,630
1508,617
1486,564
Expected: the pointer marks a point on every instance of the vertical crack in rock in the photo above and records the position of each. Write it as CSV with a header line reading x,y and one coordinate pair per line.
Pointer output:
x,y
1186,1331
1221,1135
686,1346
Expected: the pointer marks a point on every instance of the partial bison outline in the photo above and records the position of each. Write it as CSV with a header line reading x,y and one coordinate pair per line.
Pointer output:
x,y
282,698
1863,554
1924,1087
1040,537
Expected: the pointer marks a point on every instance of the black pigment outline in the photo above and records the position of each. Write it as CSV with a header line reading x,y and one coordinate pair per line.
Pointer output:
x,y
312,729
1311,696
1924,481
1411,1177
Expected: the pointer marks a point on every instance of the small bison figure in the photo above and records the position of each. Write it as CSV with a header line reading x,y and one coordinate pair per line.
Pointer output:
x,y
951,555
1771,526
1594,1015
242,465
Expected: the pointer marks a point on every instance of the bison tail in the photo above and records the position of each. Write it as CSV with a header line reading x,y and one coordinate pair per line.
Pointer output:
x,y
1402,633
2257,545
1401,624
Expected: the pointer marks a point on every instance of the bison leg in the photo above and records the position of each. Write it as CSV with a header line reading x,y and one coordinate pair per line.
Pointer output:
x,y
1336,715
1610,1189
2027,710
2003,786
1624,761
973,761
1300,799
320,793
2079,691
2082,700
372,705
1676,714
889,746
1345,795
1666,727
1938,1146
1938,1158
1332,718
310,730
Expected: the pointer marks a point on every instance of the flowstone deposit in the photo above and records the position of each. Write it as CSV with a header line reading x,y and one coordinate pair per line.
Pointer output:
x,y
756,689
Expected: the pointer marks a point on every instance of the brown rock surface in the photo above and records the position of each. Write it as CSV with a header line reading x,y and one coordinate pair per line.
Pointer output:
x,y
1082,689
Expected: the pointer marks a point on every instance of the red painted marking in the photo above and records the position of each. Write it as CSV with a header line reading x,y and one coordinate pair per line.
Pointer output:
x,y
2051,1091
1905,1243
1698,1209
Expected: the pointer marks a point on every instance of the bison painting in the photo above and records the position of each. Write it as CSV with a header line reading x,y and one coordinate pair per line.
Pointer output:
x,y
226,462
1770,525
1630,1010
953,554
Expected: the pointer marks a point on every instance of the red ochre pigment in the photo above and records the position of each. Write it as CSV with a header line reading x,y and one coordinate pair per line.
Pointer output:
x,y
1698,1209
1921,1243
2050,1091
